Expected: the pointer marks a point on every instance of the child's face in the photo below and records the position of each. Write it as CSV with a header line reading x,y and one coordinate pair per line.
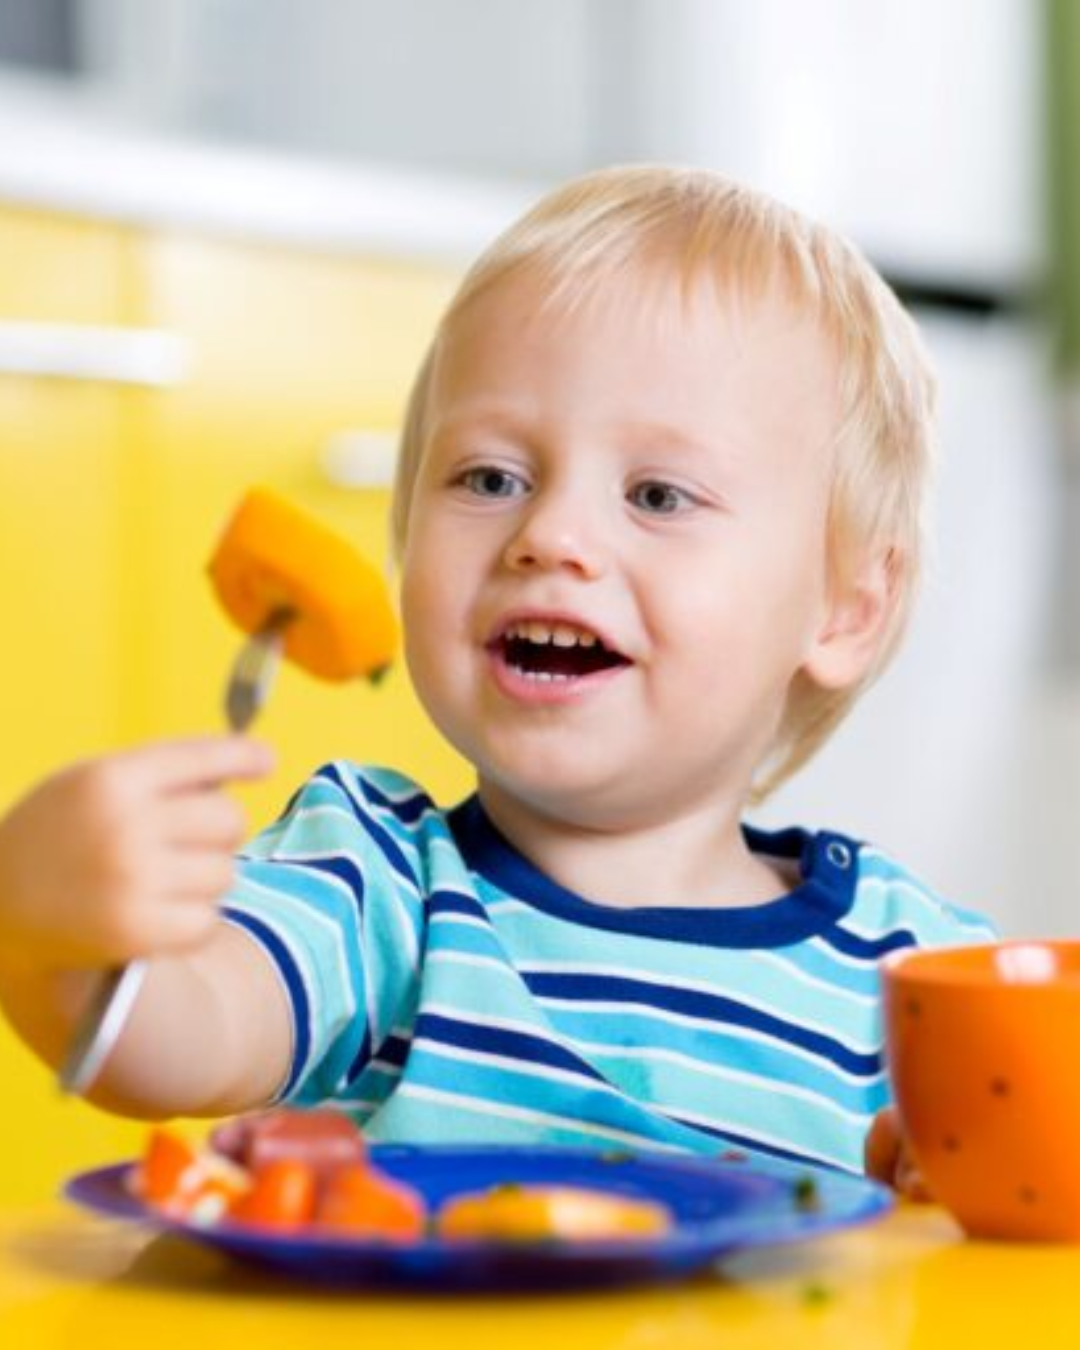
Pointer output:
x,y
641,489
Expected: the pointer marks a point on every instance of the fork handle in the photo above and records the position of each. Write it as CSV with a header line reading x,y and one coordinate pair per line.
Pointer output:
x,y
100,1025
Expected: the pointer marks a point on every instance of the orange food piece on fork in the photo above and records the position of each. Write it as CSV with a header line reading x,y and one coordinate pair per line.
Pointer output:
x,y
274,557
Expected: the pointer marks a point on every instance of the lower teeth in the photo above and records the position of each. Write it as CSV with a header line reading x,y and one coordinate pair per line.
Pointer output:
x,y
544,675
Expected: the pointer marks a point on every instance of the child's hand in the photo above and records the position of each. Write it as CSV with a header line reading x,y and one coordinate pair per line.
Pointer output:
x,y
887,1159
123,856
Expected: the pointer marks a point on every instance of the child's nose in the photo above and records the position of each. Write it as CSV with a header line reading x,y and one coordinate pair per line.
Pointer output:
x,y
557,535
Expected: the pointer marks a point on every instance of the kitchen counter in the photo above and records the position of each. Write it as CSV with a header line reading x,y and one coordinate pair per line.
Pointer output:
x,y
67,152
908,1281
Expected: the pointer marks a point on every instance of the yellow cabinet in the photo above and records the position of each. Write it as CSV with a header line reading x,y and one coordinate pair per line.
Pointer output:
x,y
61,505
111,498
64,603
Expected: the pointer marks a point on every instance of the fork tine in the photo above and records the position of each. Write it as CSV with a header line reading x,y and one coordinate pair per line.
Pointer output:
x,y
254,669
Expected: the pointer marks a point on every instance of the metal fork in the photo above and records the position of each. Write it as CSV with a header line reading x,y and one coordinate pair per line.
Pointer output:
x,y
106,1014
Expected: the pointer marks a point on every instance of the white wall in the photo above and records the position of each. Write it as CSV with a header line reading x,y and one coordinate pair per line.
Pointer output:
x,y
473,86
962,761
911,124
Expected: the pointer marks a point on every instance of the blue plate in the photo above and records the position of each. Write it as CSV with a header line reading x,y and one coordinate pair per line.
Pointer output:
x,y
719,1208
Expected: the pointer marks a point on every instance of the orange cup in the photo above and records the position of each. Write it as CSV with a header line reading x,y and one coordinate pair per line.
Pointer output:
x,y
983,1048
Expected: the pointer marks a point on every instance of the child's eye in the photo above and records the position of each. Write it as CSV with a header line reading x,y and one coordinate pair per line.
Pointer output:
x,y
661,499
488,480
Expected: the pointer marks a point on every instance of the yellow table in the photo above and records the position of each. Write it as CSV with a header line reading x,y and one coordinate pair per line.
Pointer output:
x,y
71,1280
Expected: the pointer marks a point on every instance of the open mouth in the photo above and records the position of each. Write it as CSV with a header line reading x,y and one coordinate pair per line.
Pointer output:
x,y
555,651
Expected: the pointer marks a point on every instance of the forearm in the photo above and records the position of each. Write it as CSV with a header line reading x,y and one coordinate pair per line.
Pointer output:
x,y
208,1034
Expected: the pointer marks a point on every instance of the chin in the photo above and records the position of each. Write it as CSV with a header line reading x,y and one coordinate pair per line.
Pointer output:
x,y
582,802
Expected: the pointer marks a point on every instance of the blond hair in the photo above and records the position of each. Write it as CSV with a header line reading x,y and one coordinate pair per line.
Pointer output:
x,y
694,225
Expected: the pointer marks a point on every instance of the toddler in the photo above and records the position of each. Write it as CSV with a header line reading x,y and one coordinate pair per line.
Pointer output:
x,y
658,521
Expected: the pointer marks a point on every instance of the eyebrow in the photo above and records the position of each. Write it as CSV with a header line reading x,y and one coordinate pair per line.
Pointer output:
x,y
504,418
487,417
670,436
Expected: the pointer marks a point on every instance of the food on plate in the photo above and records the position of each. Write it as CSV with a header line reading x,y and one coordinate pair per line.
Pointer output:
x,y
274,562
185,1182
168,1160
278,1170
288,1171
807,1194
326,1140
282,1193
364,1202
511,1213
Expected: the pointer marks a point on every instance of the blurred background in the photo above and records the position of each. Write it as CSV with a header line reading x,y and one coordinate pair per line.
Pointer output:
x,y
228,226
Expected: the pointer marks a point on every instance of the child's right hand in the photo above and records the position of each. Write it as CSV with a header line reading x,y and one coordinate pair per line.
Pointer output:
x,y
123,856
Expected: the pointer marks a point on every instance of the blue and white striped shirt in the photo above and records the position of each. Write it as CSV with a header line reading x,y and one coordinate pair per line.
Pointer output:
x,y
444,990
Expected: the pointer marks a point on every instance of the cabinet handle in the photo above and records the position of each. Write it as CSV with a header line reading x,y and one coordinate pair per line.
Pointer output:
x,y
109,355
360,458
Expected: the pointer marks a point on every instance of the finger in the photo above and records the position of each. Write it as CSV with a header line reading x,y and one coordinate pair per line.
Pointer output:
x,y
882,1147
911,1183
189,921
207,818
200,761
170,924
199,876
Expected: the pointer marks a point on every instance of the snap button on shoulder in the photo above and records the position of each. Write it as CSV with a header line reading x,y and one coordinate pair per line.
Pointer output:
x,y
838,854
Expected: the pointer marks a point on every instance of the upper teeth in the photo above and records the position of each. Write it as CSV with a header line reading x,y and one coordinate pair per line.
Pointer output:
x,y
561,634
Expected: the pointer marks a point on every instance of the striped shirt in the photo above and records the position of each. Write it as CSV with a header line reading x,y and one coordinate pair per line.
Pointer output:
x,y
444,990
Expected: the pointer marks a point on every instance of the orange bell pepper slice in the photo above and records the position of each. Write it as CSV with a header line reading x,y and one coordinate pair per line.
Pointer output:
x,y
511,1213
274,559
365,1203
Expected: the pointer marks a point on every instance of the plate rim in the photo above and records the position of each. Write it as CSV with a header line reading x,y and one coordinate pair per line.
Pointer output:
x,y
846,1200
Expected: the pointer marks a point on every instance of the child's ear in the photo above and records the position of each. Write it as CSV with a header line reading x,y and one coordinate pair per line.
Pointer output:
x,y
857,620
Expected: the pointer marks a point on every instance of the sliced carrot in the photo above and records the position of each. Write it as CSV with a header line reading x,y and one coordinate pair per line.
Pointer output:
x,y
282,1195
363,1202
168,1164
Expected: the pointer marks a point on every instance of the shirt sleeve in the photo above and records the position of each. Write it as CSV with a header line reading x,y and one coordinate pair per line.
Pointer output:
x,y
329,894
893,900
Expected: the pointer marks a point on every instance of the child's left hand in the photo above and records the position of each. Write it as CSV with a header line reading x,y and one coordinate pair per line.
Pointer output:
x,y
886,1158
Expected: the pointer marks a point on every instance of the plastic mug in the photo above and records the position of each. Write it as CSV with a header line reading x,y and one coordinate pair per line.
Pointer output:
x,y
983,1049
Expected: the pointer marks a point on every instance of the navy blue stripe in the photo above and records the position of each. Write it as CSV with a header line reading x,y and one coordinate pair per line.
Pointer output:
x,y
869,949
388,845
748,1144
518,1045
290,973
709,1007
408,811
454,902
828,870
287,810
343,868
529,1049
395,1050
